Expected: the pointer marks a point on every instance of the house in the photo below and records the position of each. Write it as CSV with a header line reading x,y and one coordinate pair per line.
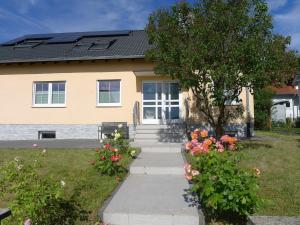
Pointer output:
x,y
64,85
285,103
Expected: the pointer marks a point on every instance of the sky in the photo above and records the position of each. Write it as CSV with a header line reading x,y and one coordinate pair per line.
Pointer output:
x,y
20,17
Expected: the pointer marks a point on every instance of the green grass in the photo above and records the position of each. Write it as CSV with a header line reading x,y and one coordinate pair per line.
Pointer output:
x,y
73,166
295,131
278,158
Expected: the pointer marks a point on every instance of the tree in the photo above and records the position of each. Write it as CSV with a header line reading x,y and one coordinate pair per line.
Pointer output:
x,y
215,48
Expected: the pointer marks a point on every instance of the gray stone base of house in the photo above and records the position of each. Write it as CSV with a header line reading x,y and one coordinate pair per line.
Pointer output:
x,y
64,131
273,220
237,130
87,131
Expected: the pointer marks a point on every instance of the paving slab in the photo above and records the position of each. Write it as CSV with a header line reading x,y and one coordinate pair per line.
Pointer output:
x,y
158,164
273,220
152,200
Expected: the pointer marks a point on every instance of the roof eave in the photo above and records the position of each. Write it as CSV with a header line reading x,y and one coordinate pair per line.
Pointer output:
x,y
63,59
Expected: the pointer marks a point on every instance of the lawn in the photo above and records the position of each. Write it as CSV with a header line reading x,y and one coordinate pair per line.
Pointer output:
x,y
278,157
72,166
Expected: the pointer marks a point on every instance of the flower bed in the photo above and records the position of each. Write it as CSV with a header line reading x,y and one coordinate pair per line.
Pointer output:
x,y
222,187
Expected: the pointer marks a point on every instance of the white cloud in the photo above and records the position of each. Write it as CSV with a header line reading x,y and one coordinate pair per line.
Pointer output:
x,y
276,4
288,24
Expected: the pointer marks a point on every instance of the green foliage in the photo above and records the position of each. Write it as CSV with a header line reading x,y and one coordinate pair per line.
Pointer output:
x,y
215,48
222,187
262,107
36,197
107,161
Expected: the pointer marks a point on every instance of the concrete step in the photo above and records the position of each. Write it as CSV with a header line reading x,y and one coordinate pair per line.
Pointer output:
x,y
163,149
158,164
158,126
152,200
158,147
152,142
158,136
159,131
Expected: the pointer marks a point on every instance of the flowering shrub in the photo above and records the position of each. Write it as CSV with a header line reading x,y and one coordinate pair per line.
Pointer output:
x,y
36,199
107,160
222,187
117,140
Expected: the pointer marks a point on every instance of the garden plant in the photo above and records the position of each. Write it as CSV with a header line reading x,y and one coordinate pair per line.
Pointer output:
x,y
223,188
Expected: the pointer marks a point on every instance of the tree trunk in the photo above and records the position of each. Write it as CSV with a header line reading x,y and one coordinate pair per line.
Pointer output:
x,y
219,129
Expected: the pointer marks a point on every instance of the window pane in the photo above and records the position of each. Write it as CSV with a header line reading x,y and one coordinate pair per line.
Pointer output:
x,y
55,98
104,85
174,91
62,87
55,87
115,85
58,93
104,97
149,113
114,97
149,90
174,112
109,91
45,86
41,93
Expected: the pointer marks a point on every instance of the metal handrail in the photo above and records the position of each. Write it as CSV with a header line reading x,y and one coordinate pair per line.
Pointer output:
x,y
4,213
136,114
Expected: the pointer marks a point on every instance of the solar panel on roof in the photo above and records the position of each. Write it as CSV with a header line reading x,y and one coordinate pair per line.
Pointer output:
x,y
66,37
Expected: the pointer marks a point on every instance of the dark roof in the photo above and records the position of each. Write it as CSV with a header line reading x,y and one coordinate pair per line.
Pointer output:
x,y
123,44
285,90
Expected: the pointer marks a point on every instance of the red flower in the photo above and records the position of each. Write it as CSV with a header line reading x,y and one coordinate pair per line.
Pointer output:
x,y
107,146
103,158
115,158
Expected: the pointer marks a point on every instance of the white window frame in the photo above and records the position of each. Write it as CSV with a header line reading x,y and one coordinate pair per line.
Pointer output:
x,y
49,104
108,104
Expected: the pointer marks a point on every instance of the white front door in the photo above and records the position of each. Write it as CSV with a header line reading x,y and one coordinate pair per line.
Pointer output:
x,y
161,102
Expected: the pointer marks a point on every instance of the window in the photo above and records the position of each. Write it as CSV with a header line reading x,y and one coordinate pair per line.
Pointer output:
x,y
49,94
47,134
288,104
28,44
109,93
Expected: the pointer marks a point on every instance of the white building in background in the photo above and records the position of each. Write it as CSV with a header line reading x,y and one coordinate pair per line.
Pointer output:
x,y
285,103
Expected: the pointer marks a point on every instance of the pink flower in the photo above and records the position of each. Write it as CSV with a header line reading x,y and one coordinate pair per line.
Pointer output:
x,y
188,168
213,139
188,146
196,150
195,173
27,222
231,146
194,142
34,145
188,177
219,146
204,133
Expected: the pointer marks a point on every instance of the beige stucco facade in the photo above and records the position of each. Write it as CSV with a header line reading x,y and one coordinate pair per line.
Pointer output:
x,y
16,91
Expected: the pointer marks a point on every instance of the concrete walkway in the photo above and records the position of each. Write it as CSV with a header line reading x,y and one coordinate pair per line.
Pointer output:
x,y
156,192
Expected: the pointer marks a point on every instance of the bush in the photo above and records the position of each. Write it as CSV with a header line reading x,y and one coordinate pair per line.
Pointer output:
x,y
297,122
117,140
222,187
107,161
262,107
36,198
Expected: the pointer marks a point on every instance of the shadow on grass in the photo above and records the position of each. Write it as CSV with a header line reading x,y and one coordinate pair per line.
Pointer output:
x,y
226,219
249,145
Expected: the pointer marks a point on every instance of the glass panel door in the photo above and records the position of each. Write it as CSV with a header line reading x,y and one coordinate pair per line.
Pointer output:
x,y
160,102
